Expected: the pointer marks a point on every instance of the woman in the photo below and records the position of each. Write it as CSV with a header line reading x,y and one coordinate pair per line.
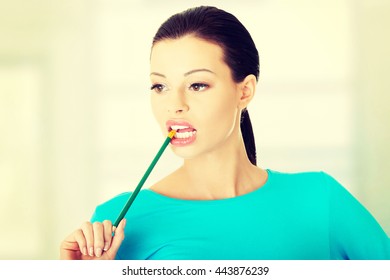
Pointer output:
x,y
219,204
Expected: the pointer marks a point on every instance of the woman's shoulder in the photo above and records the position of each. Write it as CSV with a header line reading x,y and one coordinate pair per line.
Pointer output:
x,y
302,178
318,183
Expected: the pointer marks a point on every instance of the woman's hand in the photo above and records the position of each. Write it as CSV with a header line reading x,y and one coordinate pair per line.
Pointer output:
x,y
93,242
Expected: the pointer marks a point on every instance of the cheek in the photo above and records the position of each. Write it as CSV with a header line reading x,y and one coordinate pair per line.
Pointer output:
x,y
226,105
223,112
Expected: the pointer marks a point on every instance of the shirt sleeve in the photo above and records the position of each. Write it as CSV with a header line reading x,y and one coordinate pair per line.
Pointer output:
x,y
100,214
354,232
110,209
95,217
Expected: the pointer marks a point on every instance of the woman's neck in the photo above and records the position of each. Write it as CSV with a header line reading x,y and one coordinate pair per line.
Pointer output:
x,y
222,173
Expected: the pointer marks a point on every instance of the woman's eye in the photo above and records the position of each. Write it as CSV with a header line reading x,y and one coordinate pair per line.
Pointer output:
x,y
198,87
158,88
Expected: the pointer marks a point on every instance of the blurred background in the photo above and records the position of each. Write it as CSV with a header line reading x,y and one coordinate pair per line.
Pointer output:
x,y
76,126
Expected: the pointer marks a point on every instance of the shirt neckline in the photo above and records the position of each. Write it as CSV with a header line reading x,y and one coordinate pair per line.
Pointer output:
x,y
266,185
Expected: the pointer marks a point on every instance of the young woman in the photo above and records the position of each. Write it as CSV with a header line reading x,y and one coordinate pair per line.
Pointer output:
x,y
219,204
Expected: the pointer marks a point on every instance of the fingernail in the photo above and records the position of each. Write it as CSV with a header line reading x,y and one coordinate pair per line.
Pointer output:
x,y
124,223
84,251
106,245
91,251
98,252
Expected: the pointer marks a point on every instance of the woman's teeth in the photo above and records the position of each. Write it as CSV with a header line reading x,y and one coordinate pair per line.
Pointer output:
x,y
183,131
177,127
182,135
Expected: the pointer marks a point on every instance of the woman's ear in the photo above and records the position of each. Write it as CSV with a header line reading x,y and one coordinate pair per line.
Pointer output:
x,y
247,90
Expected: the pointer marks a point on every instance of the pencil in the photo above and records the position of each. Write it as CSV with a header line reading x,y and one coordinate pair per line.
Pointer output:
x,y
146,175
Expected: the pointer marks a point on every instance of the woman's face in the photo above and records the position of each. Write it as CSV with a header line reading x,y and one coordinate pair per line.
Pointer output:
x,y
193,92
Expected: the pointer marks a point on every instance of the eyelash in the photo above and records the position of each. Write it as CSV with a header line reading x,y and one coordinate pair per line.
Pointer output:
x,y
158,88
202,85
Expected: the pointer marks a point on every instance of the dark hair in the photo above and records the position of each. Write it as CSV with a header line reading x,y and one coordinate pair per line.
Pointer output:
x,y
239,50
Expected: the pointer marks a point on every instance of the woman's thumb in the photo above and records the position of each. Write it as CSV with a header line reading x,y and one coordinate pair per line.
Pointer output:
x,y
118,238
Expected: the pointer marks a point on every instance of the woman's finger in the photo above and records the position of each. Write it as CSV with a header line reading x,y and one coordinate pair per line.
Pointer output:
x,y
73,246
81,241
107,228
98,239
88,234
117,240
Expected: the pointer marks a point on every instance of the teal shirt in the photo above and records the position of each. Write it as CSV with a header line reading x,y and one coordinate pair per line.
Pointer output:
x,y
301,216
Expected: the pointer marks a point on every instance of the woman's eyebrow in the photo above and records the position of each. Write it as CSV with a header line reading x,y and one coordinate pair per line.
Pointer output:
x,y
157,74
198,70
185,74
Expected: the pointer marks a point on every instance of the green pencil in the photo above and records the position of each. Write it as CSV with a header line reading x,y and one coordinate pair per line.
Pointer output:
x,y
146,175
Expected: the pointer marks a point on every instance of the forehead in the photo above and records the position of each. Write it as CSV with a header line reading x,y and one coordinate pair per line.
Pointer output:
x,y
186,53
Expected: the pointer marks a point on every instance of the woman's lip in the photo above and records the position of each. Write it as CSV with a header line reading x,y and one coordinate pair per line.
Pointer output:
x,y
171,123
181,142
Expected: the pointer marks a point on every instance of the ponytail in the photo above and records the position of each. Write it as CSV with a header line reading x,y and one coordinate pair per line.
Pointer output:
x,y
247,135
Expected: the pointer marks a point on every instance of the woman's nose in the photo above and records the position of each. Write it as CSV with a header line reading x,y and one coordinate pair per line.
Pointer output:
x,y
178,103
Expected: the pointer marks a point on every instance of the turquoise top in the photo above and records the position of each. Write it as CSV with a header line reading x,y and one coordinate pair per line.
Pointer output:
x,y
301,216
